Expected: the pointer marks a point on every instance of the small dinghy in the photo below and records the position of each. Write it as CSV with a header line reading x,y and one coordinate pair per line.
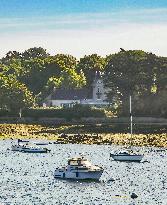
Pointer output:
x,y
28,147
79,169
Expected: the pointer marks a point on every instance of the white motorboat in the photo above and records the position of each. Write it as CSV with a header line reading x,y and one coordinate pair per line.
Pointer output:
x,y
128,155
28,147
79,169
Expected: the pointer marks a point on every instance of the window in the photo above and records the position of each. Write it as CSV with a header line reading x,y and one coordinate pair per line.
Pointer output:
x,y
98,93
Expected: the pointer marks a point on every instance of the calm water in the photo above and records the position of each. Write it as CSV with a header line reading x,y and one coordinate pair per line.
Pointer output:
x,y
27,179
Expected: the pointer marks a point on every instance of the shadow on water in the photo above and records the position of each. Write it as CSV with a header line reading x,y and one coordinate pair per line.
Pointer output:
x,y
131,162
76,181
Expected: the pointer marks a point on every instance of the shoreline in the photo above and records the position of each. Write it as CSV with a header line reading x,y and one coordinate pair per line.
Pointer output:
x,y
73,135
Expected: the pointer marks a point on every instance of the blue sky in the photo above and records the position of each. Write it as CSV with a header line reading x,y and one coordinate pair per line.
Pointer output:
x,y
22,8
80,27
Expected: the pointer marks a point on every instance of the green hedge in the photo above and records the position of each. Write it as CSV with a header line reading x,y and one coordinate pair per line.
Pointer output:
x,y
76,112
7,113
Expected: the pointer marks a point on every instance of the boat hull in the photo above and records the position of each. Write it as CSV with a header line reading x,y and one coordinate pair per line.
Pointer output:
x,y
34,151
131,158
90,175
16,148
29,150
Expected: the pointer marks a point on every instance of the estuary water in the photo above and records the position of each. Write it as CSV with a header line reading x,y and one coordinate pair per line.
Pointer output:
x,y
27,179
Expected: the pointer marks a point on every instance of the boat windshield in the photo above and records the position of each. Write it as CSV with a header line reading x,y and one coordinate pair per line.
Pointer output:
x,y
73,162
125,152
86,163
79,162
30,145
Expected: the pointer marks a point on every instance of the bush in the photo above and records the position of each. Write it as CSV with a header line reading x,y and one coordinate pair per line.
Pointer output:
x,y
7,113
77,112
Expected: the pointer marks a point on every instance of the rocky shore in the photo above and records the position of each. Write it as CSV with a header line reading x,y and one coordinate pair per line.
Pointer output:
x,y
75,135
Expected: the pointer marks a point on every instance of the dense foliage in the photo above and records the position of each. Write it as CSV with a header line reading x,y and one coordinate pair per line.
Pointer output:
x,y
13,94
77,112
142,75
31,76
89,65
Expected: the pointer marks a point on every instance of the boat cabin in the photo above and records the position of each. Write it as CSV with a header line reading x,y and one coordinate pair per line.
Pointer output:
x,y
79,162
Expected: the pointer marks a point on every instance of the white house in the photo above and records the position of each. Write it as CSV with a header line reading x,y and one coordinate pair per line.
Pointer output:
x,y
68,97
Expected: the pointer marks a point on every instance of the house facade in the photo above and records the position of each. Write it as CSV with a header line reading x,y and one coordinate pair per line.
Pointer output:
x,y
96,96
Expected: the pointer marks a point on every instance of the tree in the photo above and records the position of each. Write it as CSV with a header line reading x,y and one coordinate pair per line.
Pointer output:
x,y
41,73
13,94
36,52
15,68
89,65
131,73
10,56
161,74
71,79
56,71
65,61
35,67
36,75
67,79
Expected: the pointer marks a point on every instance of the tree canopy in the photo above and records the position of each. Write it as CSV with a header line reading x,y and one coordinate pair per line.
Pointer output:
x,y
89,65
139,74
13,94
34,73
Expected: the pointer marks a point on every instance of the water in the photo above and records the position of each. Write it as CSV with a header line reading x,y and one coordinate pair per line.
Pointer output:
x,y
27,179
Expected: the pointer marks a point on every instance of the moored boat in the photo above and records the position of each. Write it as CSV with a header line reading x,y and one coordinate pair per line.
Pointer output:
x,y
126,156
79,169
29,148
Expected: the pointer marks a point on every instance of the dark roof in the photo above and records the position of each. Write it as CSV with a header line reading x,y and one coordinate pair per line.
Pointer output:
x,y
71,94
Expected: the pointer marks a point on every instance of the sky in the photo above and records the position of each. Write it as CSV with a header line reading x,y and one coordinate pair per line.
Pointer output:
x,y
83,27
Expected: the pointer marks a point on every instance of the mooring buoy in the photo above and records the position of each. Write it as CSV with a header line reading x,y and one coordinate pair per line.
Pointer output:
x,y
133,196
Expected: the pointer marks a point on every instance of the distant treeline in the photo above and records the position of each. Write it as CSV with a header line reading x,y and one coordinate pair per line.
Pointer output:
x,y
27,78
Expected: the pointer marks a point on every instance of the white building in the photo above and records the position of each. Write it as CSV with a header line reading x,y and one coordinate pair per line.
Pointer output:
x,y
68,97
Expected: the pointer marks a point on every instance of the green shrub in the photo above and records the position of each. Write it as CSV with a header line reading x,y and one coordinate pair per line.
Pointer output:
x,y
7,113
77,112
